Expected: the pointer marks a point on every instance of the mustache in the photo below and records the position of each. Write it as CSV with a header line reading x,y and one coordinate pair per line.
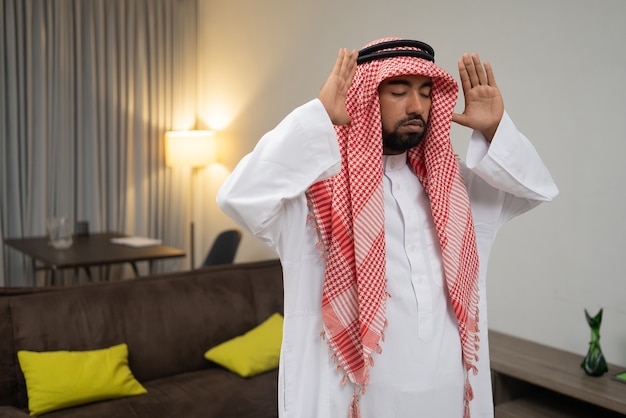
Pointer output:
x,y
410,118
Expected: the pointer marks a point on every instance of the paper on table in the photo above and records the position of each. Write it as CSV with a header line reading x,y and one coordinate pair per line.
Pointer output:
x,y
136,241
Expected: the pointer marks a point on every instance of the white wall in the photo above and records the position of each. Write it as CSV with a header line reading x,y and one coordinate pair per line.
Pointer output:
x,y
561,66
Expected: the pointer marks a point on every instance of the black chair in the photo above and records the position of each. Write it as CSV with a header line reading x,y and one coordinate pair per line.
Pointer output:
x,y
224,248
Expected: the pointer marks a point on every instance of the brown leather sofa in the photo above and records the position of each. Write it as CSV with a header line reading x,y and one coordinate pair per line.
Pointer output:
x,y
168,322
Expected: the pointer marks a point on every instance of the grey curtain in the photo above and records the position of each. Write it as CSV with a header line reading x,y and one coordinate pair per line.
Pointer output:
x,y
87,90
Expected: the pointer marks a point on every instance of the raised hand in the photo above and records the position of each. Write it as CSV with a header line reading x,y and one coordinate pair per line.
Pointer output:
x,y
334,91
484,106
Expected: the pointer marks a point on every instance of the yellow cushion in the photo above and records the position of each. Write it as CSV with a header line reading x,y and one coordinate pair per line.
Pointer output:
x,y
257,351
60,379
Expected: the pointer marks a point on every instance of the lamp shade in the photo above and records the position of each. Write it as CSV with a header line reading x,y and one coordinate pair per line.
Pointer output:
x,y
189,148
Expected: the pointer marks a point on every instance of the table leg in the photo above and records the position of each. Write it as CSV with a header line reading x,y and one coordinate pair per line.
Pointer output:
x,y
34,263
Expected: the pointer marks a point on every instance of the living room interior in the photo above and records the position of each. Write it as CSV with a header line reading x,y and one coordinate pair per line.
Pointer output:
x,y
238,67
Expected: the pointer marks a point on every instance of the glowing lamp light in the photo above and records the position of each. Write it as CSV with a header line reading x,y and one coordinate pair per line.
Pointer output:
x,y
189,148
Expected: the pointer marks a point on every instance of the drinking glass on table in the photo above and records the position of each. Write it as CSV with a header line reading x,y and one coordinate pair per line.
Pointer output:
x,y
60,232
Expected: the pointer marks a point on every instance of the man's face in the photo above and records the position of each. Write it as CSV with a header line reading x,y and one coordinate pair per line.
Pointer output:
x,y
404,109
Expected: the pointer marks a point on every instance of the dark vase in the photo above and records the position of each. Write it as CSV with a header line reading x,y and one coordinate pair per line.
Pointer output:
x,y
594,363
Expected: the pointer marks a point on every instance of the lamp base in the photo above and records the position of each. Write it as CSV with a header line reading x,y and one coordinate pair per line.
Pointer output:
x,y
192,248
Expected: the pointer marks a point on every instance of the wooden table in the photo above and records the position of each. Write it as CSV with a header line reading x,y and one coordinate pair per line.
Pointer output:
x,y
88,251
533,380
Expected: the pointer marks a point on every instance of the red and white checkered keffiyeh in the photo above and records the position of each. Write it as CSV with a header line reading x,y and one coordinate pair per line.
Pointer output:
x,y
349,213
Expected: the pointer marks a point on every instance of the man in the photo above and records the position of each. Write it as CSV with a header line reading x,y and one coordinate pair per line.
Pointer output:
x,y
384,237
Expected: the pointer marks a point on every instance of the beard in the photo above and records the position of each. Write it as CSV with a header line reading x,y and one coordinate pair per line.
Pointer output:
x,y
397,142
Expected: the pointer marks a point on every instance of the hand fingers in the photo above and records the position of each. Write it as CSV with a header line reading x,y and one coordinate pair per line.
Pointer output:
x,y
473,72
469,63
466,84
478,68
491,79
338,62
348,64
470,70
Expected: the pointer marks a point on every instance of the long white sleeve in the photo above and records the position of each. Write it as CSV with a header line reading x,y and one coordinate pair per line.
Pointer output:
x,y
301,150
510,163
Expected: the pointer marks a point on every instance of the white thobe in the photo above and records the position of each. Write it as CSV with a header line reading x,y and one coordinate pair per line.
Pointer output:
x,y
419,372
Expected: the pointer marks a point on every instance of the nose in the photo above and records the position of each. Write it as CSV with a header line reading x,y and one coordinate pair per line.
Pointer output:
x,y
416,103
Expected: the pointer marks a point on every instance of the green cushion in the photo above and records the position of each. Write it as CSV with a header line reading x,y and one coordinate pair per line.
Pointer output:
x,y
254,352
60,379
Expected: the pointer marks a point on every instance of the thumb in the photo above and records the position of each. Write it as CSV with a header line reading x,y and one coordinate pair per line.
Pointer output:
x,y
459,118
342,118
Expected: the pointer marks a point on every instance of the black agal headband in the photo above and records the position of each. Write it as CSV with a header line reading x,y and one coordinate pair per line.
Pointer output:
x,y
396,48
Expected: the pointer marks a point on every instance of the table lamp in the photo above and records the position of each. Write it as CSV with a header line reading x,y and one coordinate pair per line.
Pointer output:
x,y
190,149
